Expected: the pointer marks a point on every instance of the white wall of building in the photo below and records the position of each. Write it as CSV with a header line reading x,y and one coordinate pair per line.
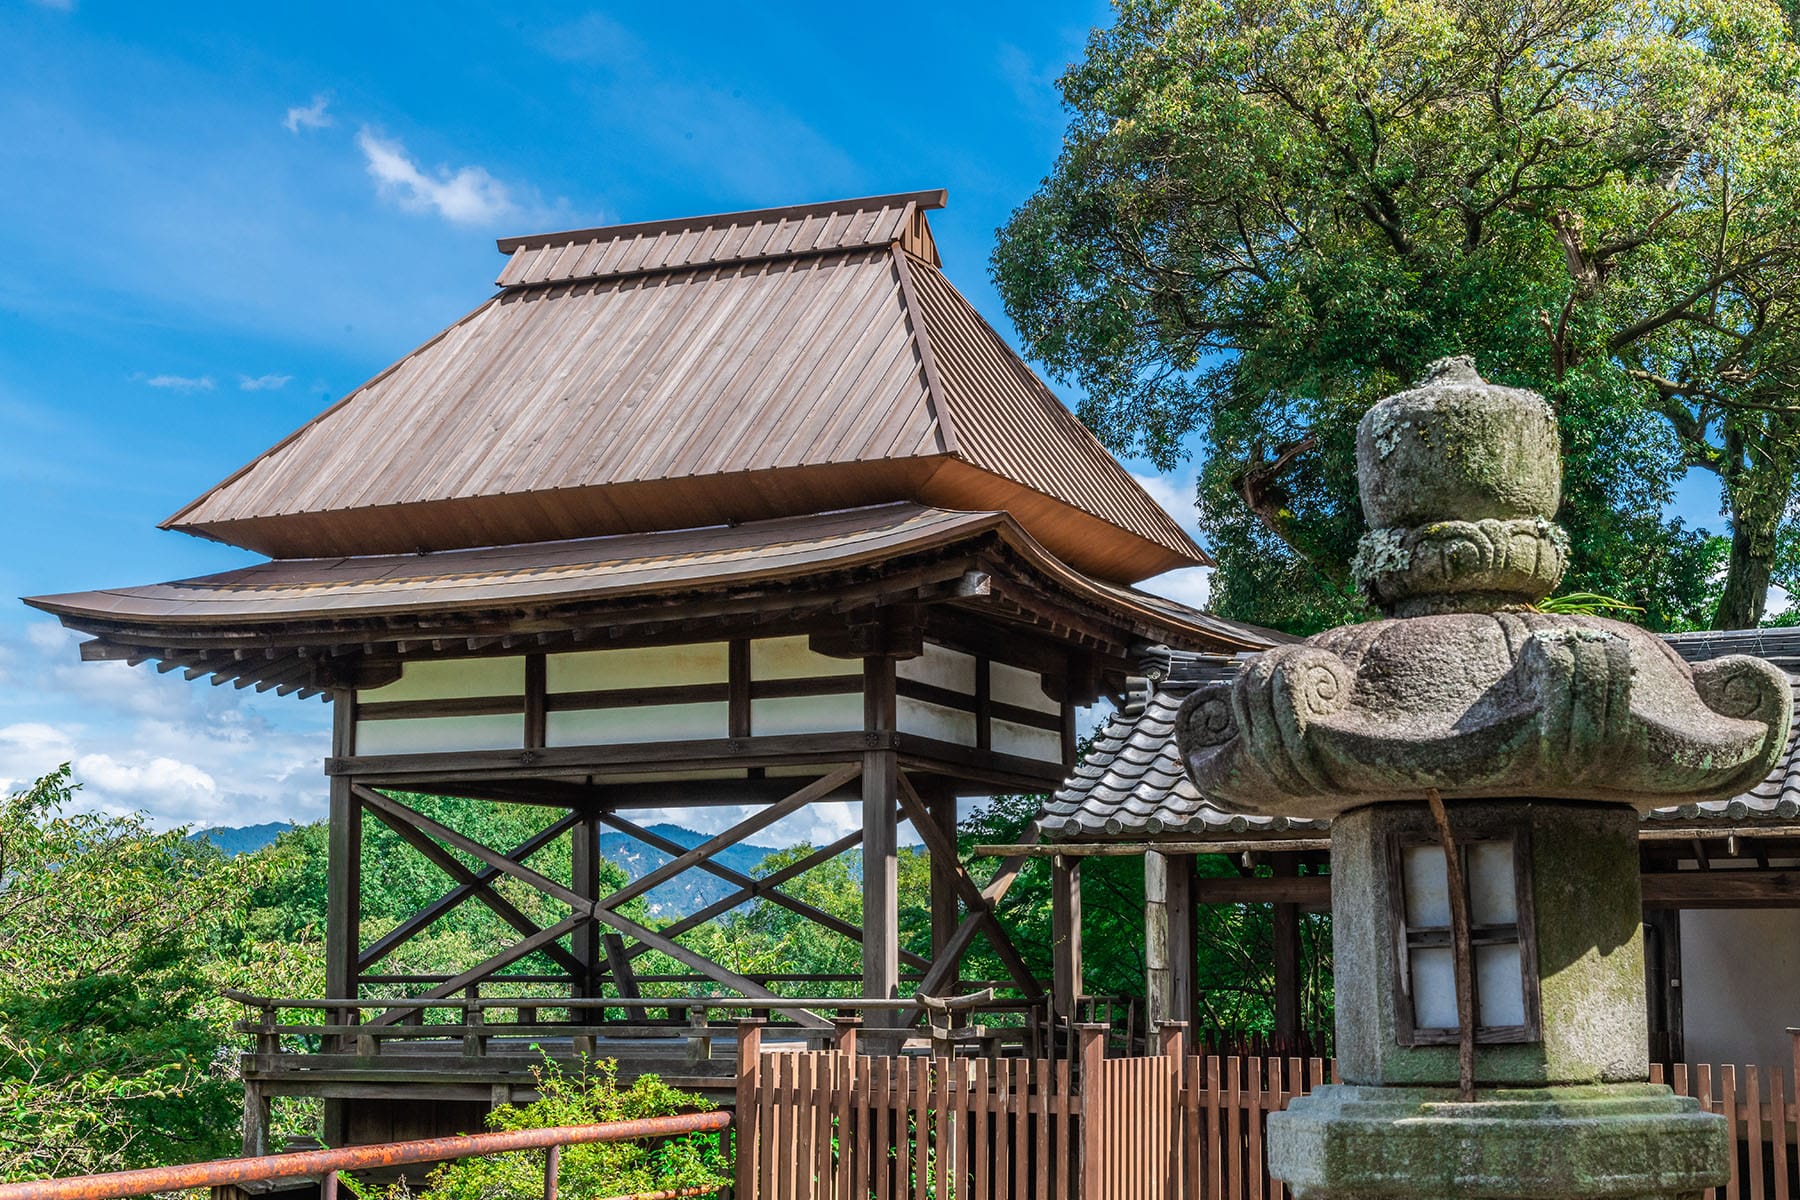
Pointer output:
x,y
1740,983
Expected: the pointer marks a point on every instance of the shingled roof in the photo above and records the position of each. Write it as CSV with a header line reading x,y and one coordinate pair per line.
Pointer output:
x,y
697,372
1132,785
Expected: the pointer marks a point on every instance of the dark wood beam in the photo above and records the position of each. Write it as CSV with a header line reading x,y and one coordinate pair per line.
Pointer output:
x,y
943,848
880,881
1722,888
698,754
1310,892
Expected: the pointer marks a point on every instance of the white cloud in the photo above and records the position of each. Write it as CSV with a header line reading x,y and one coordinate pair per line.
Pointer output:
x,y
182,383
264,383
159,778
1175,494
1190,586
467,196
309,116
184,753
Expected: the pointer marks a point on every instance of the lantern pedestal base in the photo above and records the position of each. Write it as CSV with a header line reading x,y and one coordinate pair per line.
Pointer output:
x,y
1624,1141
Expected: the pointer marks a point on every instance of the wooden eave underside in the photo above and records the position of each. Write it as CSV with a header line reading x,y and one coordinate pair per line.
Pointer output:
x,y
677,374
978,562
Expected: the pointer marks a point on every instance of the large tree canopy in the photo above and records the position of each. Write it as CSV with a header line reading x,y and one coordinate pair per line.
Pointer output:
x,y
1269,213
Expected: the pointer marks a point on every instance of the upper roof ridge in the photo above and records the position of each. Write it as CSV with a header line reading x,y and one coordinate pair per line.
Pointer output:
x,y
679,243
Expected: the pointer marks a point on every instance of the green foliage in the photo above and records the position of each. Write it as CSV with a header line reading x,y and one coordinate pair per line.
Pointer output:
x,y
109,1023
591,1096
1269,213
1234,979
1587,604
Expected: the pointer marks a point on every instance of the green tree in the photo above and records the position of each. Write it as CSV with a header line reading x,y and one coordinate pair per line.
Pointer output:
x,y
110,1034
1269,213
589,1096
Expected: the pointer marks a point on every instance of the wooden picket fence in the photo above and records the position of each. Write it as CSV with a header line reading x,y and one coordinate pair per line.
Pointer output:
x,y
837,1125
1762,1107
831,1125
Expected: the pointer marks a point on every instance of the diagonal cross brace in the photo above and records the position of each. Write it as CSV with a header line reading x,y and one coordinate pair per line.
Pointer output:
x,y
583,909
472,884
753,888
726,903
981,911
816,790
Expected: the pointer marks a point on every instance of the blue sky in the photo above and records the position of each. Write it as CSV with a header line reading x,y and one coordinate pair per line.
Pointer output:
x,y
218,218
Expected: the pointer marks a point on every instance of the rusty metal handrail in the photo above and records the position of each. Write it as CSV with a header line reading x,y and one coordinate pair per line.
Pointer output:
x,y
326,1164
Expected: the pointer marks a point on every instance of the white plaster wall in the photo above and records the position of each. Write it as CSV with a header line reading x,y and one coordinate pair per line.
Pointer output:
x,y
1740,983
935,721
634,667
940,667
775,715
430,735
793,658
1043,745
648,723
453,678
1021,688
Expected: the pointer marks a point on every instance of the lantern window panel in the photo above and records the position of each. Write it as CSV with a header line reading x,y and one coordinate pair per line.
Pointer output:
x,y
1497,879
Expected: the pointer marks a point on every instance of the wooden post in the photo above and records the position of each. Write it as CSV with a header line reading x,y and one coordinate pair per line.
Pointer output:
x,y
1287,957
1169,936
880,798
1065,933
343,889
699,1036
255,1139
1090,1053
749,1087
844,1034
1171,1038
1662,965
1183,963
1157,975
584,880
944,914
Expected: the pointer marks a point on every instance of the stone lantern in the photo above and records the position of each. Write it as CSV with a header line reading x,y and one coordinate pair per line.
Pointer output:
x,y
1484,765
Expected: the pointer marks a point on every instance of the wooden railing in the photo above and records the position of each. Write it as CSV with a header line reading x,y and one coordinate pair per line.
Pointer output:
x,y
326,1165
362,1027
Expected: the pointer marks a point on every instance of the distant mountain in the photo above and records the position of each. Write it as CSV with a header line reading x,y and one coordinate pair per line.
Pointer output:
x,y
233,840
691,890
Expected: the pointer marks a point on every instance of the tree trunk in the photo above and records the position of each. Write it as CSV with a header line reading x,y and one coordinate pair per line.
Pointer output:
x,y
1758,504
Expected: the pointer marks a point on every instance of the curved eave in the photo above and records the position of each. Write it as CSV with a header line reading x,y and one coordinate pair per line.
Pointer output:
x,y
235,624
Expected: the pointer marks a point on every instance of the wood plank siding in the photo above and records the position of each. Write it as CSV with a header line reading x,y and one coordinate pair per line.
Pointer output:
x,y
690,373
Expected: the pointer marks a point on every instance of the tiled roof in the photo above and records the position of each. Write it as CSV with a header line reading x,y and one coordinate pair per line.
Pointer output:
x,y
1132,786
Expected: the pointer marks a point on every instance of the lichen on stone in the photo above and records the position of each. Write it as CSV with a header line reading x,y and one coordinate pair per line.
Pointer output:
x,y
1387,430
1380,552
